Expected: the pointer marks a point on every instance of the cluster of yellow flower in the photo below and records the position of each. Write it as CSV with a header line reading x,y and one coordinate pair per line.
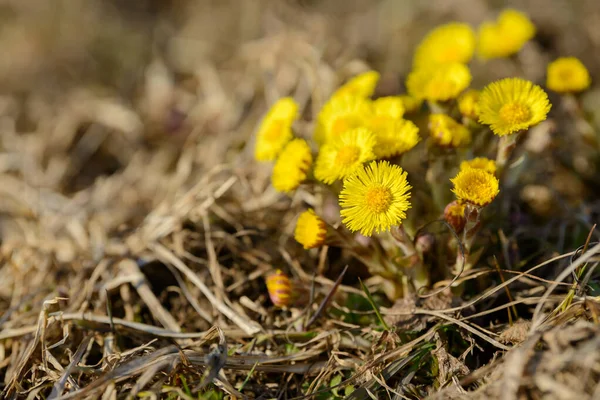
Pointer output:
x,y
359,139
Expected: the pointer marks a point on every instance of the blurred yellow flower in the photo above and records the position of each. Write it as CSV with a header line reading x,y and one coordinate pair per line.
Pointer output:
x,y
438,82
362,85
512,104
291,166
445,131
467,104
482,163
311,230
345,154
340,114
454,214
449,43
475,186
506,36
395,137
567,74
389,107
275,129
279,288
375,198
411,104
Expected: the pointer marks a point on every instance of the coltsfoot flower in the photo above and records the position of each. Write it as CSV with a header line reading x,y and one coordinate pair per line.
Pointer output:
x,y
311,230
512,104
475,186
340,114
292,166
362,85
467,104
567,75
454,214
438,82
482,163
276,129
279,288
506,36
388,107
445,131
375,198
345,154
449,43
395,137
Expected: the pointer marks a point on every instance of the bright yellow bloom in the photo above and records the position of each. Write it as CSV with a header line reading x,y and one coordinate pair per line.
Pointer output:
x,y
291,166
438,82
375,198
475,186
342,156
362,85
567,74
340,114
411,104
454,214
445,131
467,104
480,163
280,288
506,36
512,104
395,137
311,230
276,129
449,43
389,107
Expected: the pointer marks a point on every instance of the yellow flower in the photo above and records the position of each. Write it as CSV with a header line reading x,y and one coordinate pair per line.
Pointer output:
x,y
512,104
389,107
292,166
467,104
311,230
411,104
506,36
395,137
445,131
375,198
276,129
480,163
454,214
449,43
362,85
279,288
344,155
438,82
567,74
339,114
475,186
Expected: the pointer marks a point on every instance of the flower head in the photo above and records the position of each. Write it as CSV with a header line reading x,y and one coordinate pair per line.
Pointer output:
x,y
506,36
411,104
311,230
567,74
512,104
342,156
454,214
449,43
480,163
395,137
375,198
467,104
279,288
445,131
340,114
438,82
292,166
362,85
276,129
475,186
388,107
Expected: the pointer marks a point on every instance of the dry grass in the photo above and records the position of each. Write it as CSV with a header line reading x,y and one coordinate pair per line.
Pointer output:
x,y
136,229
